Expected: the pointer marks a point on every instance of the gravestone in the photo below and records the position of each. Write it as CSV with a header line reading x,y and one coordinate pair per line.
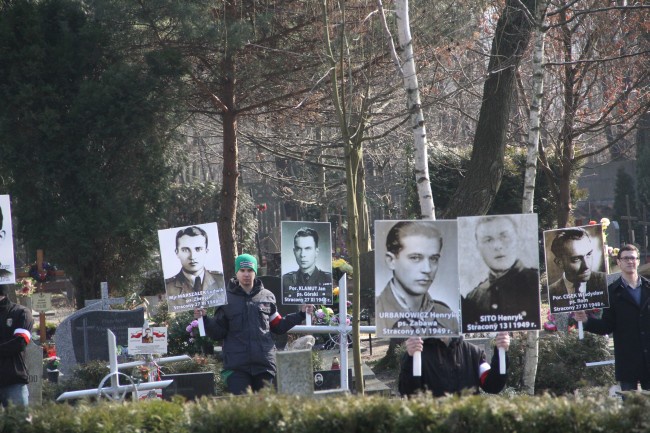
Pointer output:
x,y
89,332
295,372
34,363
329,379
189,385
76,344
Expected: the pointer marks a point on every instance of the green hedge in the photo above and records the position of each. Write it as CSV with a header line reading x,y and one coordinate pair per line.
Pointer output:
x,y
267,412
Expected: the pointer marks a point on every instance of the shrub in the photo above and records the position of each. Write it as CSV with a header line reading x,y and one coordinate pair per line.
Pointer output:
x,y
562,356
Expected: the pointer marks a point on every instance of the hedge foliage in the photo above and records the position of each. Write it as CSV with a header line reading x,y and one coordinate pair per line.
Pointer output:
x,y
269,412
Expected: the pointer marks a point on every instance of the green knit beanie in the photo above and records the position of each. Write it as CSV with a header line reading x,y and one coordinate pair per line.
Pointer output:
x,y
245,261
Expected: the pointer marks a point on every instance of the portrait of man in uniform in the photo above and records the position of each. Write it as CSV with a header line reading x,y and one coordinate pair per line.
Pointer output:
x,y
509,293
406,306
308,277
194,283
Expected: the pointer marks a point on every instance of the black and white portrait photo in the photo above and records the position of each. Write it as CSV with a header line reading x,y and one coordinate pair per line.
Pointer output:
x,y
416,278
7,266
498,257
575,263
192,266
306,263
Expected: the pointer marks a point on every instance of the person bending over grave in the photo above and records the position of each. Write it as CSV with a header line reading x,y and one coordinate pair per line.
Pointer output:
x,y
192,250
412,253
510,288
573,250
451,365
628,318
15,333
245,324
305,249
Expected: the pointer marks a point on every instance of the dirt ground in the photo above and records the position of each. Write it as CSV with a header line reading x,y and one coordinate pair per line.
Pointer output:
x,y
379,348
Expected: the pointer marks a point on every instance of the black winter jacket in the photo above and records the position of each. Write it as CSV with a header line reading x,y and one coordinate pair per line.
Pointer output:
x,y
245,324
15,333
630,325
451,369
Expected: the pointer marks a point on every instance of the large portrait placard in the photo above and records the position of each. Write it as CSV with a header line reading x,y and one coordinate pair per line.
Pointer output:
x,y
306,263
191,262
7,264
575,264
416,279
499,273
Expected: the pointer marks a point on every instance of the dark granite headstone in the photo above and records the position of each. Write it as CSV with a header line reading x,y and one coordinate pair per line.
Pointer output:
x,y
189,385
89,332
329,379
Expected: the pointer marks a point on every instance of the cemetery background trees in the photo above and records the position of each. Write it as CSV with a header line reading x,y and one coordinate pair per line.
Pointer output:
x,y
84,140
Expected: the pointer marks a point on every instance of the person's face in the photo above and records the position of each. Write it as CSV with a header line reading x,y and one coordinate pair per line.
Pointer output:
x,y
304,248
497,243
416,264
628,262
577,260
245,277
191,251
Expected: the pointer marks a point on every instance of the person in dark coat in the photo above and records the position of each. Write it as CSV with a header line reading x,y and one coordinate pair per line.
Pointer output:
x,y
451,366
628,318
245,325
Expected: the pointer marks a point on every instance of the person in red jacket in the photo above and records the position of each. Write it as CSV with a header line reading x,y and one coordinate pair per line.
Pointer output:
x,y
15,333
450,366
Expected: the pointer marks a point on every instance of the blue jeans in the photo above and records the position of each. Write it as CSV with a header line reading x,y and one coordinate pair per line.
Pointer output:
x,y
16,394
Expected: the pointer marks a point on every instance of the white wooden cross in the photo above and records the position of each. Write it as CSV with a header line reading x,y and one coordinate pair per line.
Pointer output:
x,y
116,391
342,329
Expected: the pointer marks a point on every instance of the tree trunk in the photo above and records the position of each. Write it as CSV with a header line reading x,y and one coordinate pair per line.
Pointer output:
x,y
531,352
230,188
477,189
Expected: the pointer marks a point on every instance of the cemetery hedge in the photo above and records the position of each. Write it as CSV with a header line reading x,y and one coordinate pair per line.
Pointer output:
x,y
270,412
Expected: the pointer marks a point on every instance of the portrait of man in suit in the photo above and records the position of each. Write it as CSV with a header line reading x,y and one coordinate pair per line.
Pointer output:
x,y
581,283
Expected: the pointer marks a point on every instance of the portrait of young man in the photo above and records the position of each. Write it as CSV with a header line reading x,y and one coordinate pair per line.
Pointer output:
x,y
416,278
306,263
576,269
502,291
199,282
7,267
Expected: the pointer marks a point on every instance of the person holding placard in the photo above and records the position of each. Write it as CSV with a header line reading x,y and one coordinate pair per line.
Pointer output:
x,y
451,365
628,318
245,325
